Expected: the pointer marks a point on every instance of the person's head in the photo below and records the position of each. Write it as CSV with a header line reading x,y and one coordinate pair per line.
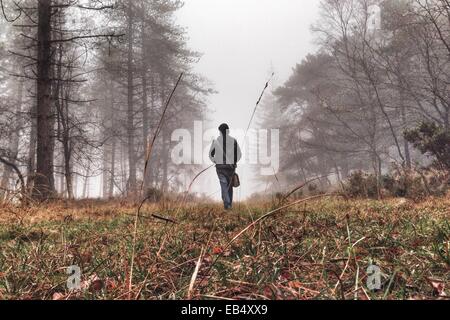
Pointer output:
x,y
224,129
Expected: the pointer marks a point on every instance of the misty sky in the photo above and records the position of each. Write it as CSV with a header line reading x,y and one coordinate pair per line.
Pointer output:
x,y
241,42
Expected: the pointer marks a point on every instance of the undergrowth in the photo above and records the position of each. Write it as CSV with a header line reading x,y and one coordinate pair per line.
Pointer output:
x,y
317,250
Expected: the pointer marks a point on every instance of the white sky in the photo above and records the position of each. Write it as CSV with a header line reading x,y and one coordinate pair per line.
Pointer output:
x,y
241,42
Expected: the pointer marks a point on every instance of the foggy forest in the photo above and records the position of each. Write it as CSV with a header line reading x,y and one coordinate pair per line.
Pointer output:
x,y
347,199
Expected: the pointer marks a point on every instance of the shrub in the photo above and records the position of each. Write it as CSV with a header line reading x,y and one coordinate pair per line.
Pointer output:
x,y
154,195
432,139
403,183
361,185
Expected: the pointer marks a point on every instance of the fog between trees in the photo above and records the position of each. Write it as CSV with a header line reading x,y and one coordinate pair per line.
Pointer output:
x,y
83,85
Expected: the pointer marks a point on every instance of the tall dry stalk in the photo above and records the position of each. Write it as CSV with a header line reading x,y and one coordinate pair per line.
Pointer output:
x,y
147,160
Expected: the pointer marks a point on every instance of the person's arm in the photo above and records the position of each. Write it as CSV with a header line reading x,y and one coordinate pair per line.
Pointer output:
x,y
238,152
212,152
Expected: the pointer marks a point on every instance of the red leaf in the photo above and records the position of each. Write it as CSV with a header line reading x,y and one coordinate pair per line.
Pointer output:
x,y
58,296
286,275
96,286
438,286
295,284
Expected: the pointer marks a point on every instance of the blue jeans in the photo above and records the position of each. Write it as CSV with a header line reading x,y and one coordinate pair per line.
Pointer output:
x,y
225,175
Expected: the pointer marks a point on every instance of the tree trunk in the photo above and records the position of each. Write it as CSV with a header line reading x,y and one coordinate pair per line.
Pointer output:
x,y
408,161
112,175
62,180
145,120
68,173
105,175
31,165
14,142
44,181
75,180
377,167
132,179
123,168
62,107
67,148
106,117
151,170
406,144
86,183
145,111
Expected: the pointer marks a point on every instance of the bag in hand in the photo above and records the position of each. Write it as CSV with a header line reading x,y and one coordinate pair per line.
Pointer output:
x,y
235,181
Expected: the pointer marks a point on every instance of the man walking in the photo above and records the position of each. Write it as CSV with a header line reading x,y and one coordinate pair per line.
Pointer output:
x,y
225,153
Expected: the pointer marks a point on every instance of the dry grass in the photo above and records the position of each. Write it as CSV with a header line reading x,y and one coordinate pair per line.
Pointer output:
x,y
317,250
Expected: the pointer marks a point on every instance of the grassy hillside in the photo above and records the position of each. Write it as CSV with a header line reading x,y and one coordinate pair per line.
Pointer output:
x,y
317,250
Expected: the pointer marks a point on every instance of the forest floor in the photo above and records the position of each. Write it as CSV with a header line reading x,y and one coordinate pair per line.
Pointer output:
x,y
320,249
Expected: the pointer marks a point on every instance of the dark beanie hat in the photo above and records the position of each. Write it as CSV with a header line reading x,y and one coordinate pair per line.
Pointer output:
x,y
224,128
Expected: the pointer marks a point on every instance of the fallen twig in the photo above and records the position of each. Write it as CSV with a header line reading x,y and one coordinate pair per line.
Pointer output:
x,y
195,274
